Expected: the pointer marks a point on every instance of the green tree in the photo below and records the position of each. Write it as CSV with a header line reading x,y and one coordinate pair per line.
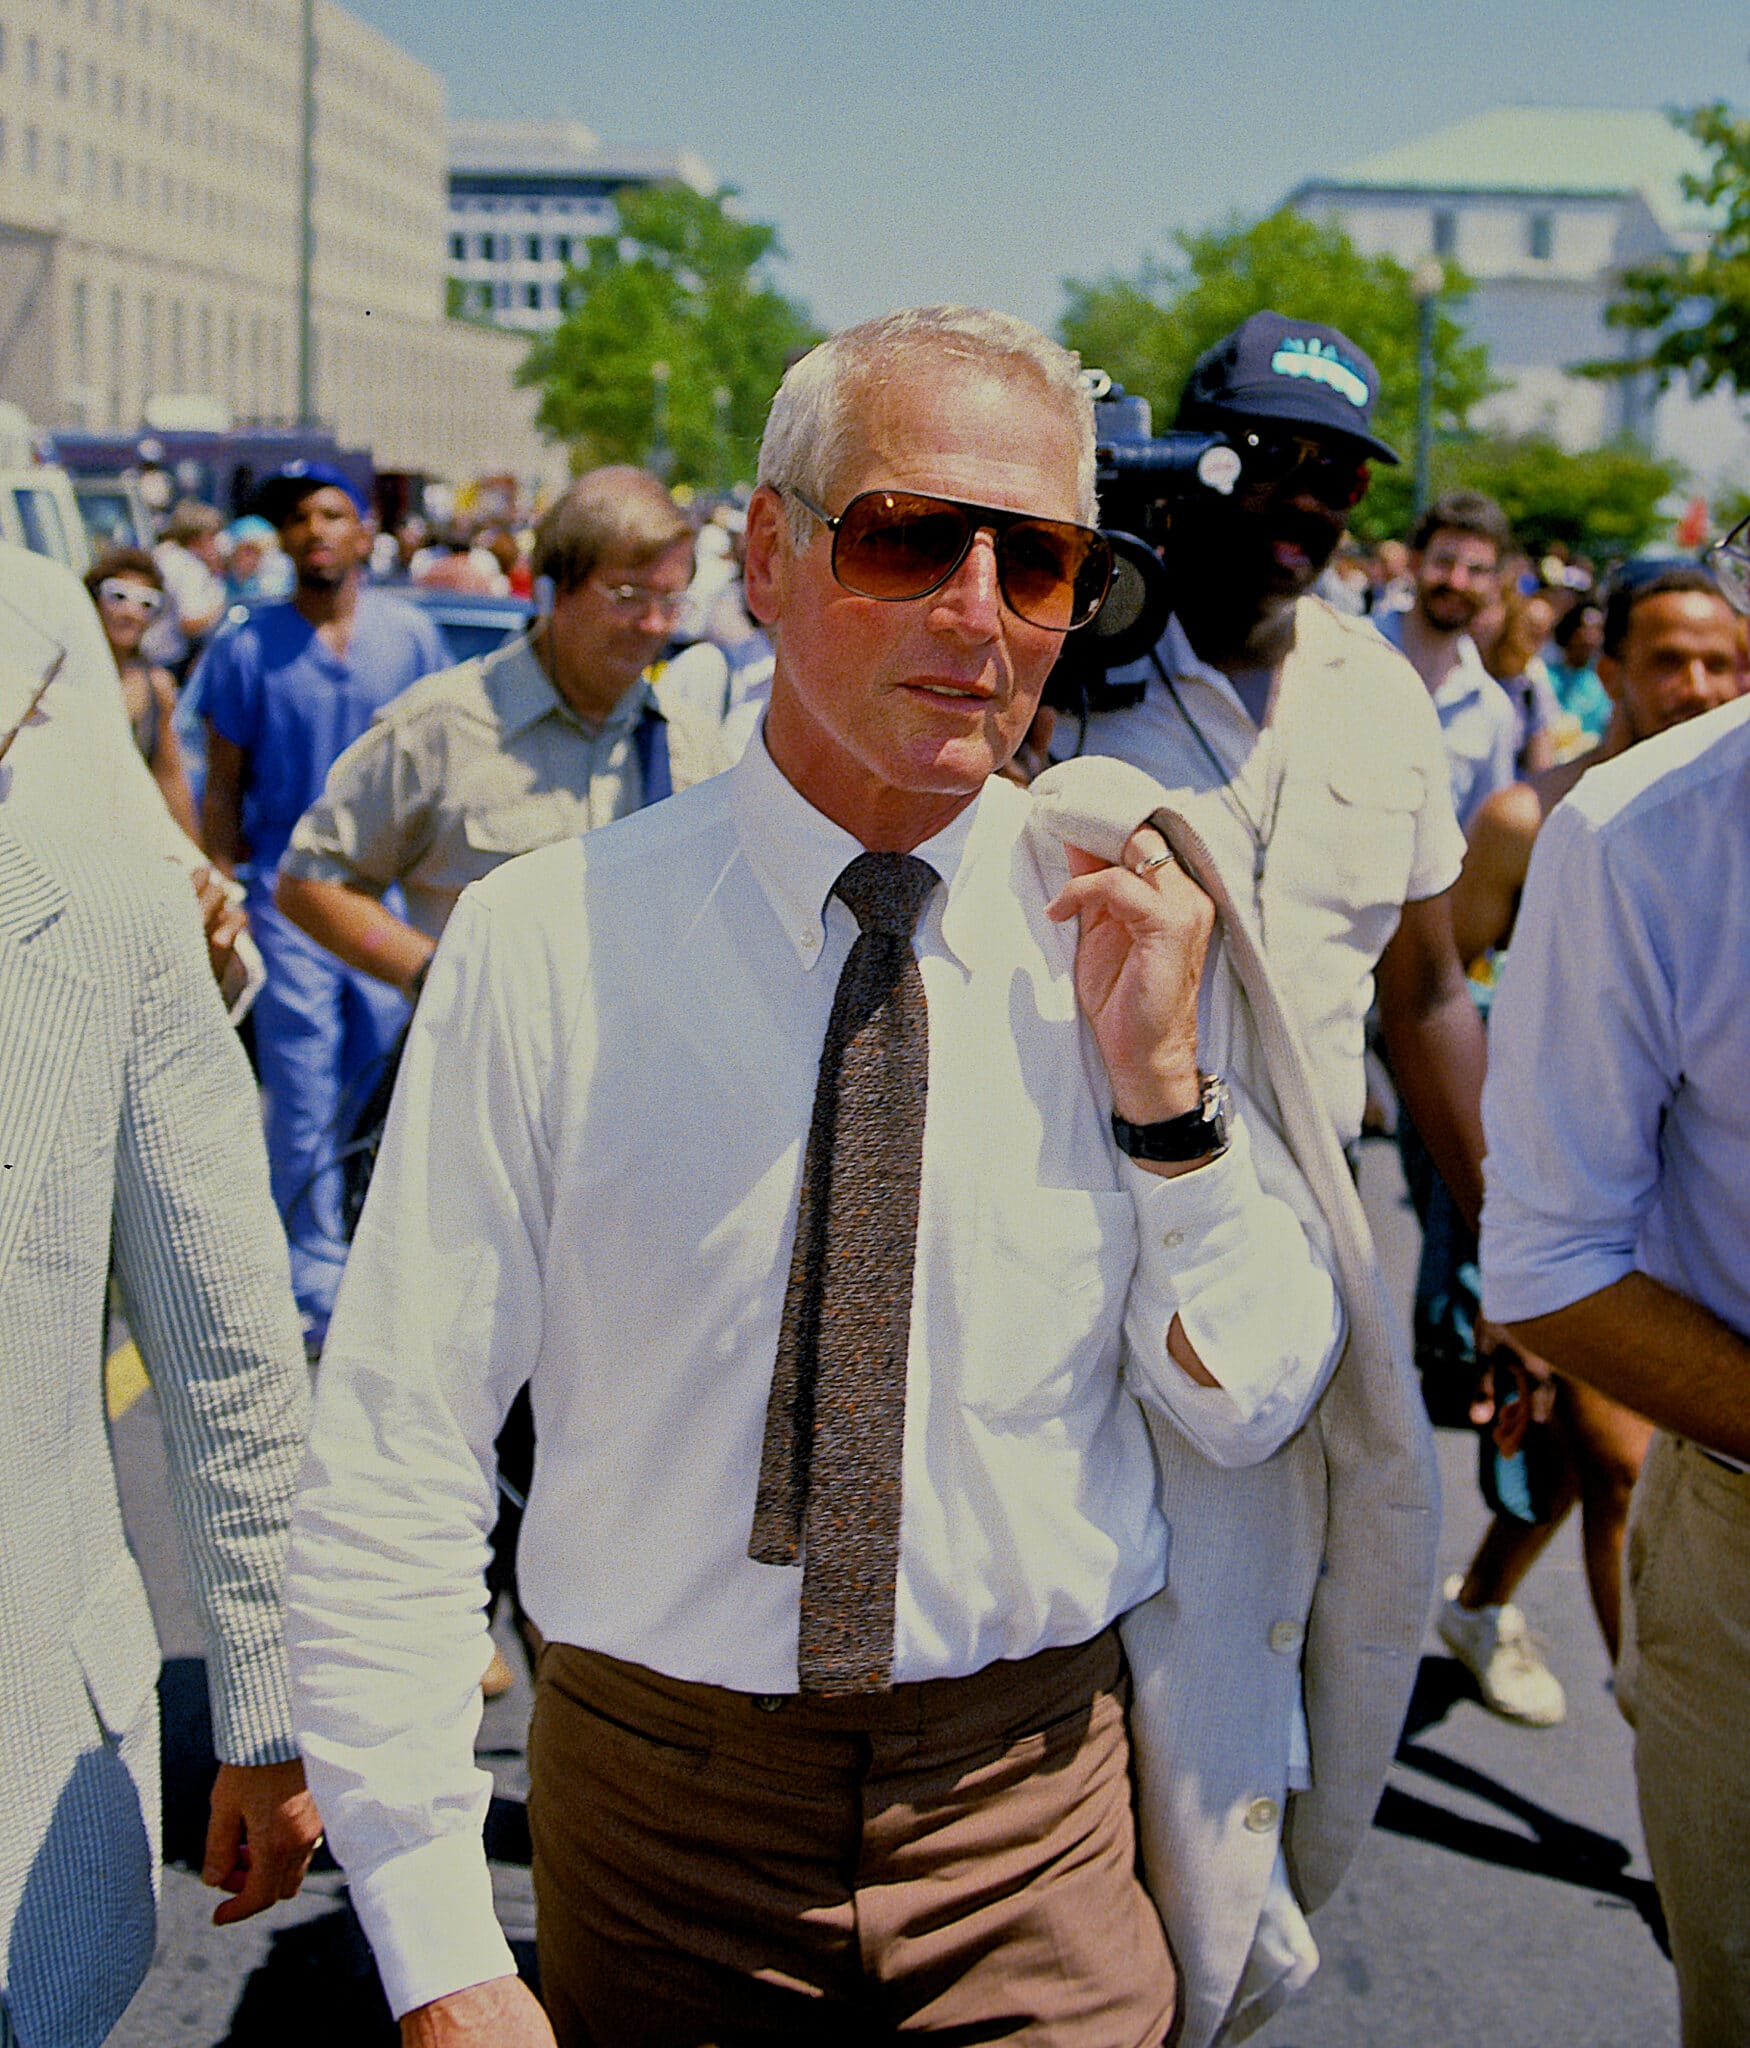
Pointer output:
x,y
1696,307
1604,502
683,284
1147,330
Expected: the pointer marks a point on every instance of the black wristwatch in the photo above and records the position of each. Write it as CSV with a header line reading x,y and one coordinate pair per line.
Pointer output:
x,y
1201,1133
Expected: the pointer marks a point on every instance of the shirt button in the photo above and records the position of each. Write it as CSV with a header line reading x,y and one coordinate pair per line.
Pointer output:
x,y
1262,1815
1173,1239
1285,1636
768,1702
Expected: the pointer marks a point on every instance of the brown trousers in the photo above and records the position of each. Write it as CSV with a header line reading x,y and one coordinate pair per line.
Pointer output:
x,y
955,1858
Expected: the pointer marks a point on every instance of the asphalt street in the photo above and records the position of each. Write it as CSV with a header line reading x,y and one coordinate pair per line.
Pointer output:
x,y
1503,1896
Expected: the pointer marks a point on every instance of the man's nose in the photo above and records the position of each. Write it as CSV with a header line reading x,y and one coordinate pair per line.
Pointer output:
x,y
970,603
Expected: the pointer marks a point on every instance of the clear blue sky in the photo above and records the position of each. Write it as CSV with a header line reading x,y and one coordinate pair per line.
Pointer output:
x,y
984,150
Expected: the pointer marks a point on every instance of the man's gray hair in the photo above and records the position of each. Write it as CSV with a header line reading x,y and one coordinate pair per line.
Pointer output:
x,y
813,430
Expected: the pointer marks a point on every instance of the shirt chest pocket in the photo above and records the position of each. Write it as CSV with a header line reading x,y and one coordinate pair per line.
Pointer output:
x,y
1361,823
491,837
1040,1297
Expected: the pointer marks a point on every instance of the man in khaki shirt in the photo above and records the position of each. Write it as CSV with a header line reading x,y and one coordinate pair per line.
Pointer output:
x,y
557,733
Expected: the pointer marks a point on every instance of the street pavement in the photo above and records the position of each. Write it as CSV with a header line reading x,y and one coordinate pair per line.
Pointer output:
x,y
1502,1897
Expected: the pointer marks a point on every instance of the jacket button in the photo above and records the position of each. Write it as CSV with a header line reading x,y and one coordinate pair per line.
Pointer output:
x,y
1285,1637
1262,1815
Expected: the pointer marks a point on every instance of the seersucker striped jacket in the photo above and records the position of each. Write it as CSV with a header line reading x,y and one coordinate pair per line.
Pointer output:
x,y
127,1122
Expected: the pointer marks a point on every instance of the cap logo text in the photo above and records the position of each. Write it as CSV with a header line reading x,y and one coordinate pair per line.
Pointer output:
x,y
1315,359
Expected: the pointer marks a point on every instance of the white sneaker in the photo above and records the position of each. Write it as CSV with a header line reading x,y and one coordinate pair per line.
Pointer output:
x,y
1495,1647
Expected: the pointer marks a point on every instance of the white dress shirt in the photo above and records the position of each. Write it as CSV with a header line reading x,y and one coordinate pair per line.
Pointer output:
x,y
589,1181
1616,1105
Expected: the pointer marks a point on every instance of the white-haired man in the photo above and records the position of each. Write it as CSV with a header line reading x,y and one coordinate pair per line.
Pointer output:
x,y
775,1137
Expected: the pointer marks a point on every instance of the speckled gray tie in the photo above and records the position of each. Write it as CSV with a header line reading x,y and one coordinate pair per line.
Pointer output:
x,y
830,1468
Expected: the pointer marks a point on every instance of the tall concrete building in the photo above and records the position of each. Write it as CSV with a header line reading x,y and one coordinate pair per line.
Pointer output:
x,y
524,198
1544,208
150,166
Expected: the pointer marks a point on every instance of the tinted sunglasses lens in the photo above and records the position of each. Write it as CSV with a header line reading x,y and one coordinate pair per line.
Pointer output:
x,y
1052,573
1339,480
890,544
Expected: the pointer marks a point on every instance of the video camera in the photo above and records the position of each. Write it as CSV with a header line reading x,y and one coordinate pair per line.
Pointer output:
x,y
1139,475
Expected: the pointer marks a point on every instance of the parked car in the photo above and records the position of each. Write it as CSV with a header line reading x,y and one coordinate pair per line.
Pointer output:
x,y
114,512
471,625
39,511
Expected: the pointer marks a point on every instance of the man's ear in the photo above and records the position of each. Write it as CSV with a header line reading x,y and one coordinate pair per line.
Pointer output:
x,y
768,555
1610,675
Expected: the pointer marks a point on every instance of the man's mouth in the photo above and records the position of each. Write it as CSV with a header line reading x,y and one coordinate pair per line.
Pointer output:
x,y
954,693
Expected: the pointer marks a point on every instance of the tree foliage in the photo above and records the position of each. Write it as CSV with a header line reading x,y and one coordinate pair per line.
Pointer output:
x,y
1603,502
684,283
1147,330
1696,307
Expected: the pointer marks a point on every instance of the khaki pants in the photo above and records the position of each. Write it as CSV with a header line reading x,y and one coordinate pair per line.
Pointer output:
x,y
1684,1683
954,1858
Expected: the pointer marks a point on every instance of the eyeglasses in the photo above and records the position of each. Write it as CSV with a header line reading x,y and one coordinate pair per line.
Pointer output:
x,y
1334,476
895,545
117,590
1729,559
637,598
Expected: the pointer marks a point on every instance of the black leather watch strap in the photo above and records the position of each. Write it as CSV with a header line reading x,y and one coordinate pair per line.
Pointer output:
x,y
1200,1133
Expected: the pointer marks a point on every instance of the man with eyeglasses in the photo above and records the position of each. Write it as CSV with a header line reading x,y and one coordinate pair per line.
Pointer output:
x,y
1614,1243
282,694
564,729
776,1136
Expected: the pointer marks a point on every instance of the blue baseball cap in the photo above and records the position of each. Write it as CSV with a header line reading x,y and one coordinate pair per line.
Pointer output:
x,y
1296,371
278,496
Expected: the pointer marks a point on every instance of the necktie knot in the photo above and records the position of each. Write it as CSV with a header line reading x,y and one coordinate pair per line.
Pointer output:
x,y
886,892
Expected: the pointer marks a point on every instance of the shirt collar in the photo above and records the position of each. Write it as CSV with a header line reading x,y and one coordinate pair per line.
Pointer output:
x,y
524,694
797,853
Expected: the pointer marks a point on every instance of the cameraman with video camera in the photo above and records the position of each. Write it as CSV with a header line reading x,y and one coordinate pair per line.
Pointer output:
x,y
1304,749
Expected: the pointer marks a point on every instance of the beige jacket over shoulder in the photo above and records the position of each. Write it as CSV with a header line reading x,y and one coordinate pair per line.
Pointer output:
x,y
1320,1560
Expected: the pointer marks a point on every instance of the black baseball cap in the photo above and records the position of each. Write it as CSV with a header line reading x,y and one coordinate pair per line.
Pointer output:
x,y
278,496
1274,368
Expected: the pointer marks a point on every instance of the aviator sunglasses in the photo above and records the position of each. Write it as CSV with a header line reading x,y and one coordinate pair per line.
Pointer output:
x,y
894,545
1729,559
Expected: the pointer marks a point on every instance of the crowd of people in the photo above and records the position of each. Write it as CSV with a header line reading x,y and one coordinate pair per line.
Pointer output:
x,y
864,1250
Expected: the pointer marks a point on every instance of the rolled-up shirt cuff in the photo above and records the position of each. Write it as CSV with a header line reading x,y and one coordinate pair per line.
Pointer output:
x,y
428,1915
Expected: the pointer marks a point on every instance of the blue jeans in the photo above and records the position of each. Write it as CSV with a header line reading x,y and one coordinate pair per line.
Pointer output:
x,y
321,1033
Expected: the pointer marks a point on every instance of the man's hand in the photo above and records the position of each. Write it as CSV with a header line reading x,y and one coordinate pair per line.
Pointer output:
x,y
224,923
1515,1388
502,2013
260,1838
1139,965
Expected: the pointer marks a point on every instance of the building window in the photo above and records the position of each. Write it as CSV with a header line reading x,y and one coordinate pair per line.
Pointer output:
x,y
458,248
30,152
63,162
532,248
501,297
63,74
562,249
532,297
1539,237
1445,231
30,60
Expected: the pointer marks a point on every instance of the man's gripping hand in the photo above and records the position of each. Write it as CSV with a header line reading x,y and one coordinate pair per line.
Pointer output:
x,y
1139,965
501,2013
261,1835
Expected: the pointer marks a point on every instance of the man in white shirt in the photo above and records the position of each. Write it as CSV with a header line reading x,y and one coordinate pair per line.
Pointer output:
x,y
1456,552
1614,1242
591,1182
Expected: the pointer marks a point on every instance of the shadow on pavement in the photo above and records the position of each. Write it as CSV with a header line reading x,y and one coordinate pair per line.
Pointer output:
x,y
1552,1847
